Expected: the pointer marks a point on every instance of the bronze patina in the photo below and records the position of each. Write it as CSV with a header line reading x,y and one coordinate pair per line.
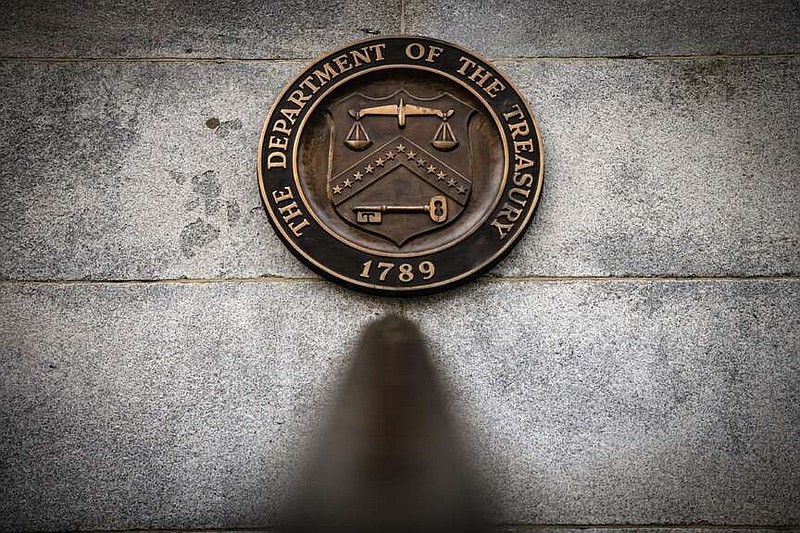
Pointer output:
x,y
400,165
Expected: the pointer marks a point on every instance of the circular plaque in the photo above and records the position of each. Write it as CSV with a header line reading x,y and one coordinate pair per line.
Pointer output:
x,y
400,165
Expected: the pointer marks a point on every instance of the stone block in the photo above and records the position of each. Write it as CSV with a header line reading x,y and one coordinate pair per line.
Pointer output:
x,y
136,171
240,29
184,405
627,402
654,168
147,171
164,405
519,28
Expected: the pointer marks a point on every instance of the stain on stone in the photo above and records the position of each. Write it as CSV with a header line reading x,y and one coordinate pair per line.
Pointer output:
x,y
206,184
706,79
628,181
369,31
213,205
207,192
227,127
88,127
192,204
179,177
212,123
734,400
188,50
234,212
197,235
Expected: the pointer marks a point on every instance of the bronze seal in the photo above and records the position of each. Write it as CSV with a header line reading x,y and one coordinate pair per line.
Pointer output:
x,y
400,165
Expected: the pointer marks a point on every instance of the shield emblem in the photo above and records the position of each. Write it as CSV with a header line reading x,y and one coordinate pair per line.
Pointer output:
x,y
399,166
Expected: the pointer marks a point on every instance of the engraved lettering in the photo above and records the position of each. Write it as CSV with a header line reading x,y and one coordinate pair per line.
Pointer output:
x,y
281,195
360,57
508,215
433,53
521,163
299,99
523,146
323,75
503,229
523,180
276,159
465,64
522,196
405,271
290,114
278,142
343,62
494,88
406,112
415,51
326,74
308,83
509,212
298,227
481,76
515,112
520,129
290,211
280,126
378,50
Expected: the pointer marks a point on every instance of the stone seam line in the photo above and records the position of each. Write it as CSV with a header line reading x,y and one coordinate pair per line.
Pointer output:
x,y
259,60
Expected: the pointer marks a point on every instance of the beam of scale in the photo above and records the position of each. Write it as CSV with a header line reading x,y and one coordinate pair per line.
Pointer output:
x,y
443,139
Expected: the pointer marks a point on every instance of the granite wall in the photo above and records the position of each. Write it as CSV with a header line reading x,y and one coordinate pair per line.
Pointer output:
x,y
635,363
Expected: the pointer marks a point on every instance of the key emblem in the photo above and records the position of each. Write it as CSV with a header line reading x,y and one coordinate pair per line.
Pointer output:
x,y
373,214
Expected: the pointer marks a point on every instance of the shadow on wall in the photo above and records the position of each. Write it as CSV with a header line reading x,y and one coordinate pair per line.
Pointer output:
x,y
388,459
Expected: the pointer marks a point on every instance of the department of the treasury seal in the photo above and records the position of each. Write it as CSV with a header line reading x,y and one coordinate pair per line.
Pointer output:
x,y
400,165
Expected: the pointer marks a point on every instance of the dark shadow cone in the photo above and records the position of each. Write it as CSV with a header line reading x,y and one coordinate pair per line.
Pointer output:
x,y
389,460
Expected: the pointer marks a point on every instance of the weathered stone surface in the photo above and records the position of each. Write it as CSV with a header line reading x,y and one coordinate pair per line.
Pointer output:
x,y
664,167
178,405
628,402
174,28
609,27
683,167
121,171
301,29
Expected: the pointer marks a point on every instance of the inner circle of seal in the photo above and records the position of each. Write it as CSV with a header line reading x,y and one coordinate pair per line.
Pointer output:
x,y
318,99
